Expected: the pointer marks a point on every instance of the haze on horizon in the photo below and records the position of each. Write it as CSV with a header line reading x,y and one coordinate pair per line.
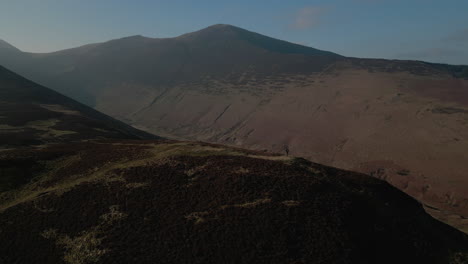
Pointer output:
x,y
429,30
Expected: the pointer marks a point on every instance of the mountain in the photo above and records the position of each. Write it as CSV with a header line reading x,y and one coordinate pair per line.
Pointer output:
x,y
34,115
402,121
100,194
160,62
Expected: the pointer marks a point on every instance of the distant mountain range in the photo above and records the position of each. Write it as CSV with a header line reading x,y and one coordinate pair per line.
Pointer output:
x,y
402,121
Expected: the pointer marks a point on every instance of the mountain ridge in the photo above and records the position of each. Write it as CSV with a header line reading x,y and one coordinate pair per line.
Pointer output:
x,y
216,29
213,29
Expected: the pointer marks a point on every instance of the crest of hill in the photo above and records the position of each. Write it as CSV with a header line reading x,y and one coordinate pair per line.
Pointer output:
x,y
223,32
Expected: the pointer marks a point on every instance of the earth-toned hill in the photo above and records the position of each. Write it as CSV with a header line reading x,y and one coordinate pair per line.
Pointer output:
x,y
182,202
34,115
402,121
79,190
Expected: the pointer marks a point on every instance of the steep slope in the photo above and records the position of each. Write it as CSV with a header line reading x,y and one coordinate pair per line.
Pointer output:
x,y
402,121
34,115
182,202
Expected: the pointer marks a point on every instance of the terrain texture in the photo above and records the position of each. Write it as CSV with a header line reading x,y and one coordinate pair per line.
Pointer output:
x,y
182,202
84,189
402,121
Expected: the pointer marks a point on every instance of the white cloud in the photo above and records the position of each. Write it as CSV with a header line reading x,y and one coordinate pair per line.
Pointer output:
x,y
307,18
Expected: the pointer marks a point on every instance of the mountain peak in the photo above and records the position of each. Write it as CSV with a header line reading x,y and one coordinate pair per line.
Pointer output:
x,y
134,37
220,26
213,30
219,32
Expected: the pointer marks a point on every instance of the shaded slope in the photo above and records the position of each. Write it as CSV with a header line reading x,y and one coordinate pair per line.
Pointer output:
x,y
181,202
32,115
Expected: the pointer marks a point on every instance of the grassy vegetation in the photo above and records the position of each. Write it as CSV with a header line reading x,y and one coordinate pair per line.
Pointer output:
x,y
60,109
47,126
251,204
179,202
83,249
154,153
86,247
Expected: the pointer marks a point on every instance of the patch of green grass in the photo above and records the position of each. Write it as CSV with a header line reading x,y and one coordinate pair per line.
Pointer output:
x,y
59,109
47,127
86,247
197,217
159,153
83,249
250,204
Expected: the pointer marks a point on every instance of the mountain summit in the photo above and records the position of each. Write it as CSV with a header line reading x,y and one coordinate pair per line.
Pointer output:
x,y
223,32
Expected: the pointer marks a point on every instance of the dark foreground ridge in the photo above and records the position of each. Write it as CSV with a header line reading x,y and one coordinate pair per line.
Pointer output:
x,y
182,202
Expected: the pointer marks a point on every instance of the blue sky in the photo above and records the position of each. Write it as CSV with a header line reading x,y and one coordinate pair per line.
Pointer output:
x,y
396,29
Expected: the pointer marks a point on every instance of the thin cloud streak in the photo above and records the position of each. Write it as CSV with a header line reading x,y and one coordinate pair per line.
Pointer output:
x,y
307,18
